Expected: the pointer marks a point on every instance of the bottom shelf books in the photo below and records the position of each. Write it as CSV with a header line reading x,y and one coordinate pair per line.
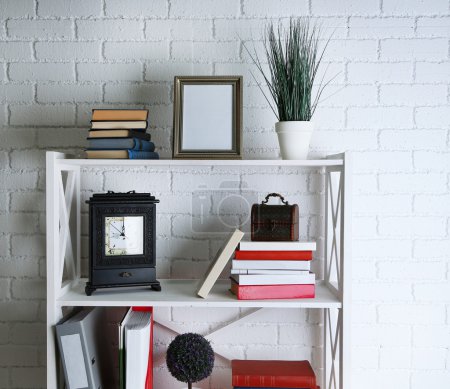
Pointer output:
x,y
136,349
270,374
85,353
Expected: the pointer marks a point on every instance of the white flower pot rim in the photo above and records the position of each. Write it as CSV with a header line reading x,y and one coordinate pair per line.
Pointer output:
x,y
295,121
294,126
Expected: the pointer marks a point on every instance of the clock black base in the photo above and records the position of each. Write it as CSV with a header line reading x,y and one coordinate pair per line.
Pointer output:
x,y
89,288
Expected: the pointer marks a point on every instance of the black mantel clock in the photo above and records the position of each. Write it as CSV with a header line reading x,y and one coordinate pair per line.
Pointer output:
x,y
122,241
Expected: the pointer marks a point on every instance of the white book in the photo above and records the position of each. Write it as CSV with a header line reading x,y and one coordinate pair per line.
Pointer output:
x,y
281,279
219,263
137,348
263,271
114,125
121,327
248,245
270,265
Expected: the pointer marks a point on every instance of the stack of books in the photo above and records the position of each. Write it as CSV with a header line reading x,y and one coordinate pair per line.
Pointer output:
x,y
120,134
273,270
272,374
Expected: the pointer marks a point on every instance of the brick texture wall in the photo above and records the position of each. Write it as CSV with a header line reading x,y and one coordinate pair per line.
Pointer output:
x,y
389,104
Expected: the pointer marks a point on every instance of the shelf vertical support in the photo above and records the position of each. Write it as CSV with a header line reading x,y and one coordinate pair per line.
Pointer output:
x,y
63,246
53,262
346,273
337,274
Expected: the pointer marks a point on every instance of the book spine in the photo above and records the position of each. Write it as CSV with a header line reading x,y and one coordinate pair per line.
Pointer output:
x,y
105,114
274,255
259,387
119,125
277,246
280,381
142,155
271,272
149,378
274,279
262,292
270,264
143,145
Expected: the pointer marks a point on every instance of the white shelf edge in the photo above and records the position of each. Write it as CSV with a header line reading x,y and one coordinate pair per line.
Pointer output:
x,y
199,162
181,293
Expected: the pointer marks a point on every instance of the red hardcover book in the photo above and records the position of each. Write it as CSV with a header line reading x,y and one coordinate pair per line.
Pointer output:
x,y
149,379
273,374
273,255
264,292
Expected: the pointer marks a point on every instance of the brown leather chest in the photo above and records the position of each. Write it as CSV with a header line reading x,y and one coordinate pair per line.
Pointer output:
x,y
274,222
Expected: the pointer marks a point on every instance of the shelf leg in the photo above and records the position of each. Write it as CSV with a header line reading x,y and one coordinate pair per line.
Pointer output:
x,y
54,376
333,355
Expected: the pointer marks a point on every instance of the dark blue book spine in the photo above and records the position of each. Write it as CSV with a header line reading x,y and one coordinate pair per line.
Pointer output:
x,y
121,144
143,145
132,154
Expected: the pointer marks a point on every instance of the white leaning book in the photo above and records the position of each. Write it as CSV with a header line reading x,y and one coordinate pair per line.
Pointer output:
x,y
238,264
219,263
280,279
248,245
137,340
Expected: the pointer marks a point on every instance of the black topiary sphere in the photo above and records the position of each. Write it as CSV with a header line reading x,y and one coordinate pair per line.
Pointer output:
x,y
190,358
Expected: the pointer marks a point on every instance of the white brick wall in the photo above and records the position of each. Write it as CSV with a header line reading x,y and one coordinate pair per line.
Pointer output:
x,y
61,58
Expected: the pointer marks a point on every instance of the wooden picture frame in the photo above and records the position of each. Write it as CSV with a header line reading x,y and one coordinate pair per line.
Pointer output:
x,y
207,118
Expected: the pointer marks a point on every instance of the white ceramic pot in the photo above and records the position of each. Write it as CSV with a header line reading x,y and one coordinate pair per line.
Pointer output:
x,y
294,138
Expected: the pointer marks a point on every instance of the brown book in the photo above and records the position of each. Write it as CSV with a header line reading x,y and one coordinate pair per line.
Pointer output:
x,y
134,125
118,134
120,114
121,154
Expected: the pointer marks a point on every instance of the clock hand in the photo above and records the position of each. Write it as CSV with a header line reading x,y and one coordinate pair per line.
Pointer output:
x,y
112,225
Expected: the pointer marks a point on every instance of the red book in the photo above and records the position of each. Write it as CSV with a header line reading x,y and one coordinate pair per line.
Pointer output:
x,y
149,379
273,374
272,255
264,292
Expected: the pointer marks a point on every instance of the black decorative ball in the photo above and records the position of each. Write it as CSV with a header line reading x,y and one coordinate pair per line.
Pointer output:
x,y
190,358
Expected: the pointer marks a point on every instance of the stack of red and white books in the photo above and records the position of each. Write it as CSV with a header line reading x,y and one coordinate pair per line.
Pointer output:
x,y
273,270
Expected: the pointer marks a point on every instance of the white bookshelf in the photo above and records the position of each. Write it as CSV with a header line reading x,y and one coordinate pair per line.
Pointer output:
x,y
63,254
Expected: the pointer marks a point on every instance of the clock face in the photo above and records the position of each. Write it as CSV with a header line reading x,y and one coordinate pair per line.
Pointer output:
x,y
124,235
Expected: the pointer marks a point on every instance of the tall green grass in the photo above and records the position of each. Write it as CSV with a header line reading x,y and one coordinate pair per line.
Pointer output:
x,y
294,58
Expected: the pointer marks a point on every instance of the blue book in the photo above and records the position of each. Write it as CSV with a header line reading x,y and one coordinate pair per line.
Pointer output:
x,y
142,154
121,154
120,144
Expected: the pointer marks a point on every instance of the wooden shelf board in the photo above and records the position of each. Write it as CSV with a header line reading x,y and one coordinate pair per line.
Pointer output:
x,y
182,293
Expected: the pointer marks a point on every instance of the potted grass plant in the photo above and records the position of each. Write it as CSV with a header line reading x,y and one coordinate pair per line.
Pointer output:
x,y
293,58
